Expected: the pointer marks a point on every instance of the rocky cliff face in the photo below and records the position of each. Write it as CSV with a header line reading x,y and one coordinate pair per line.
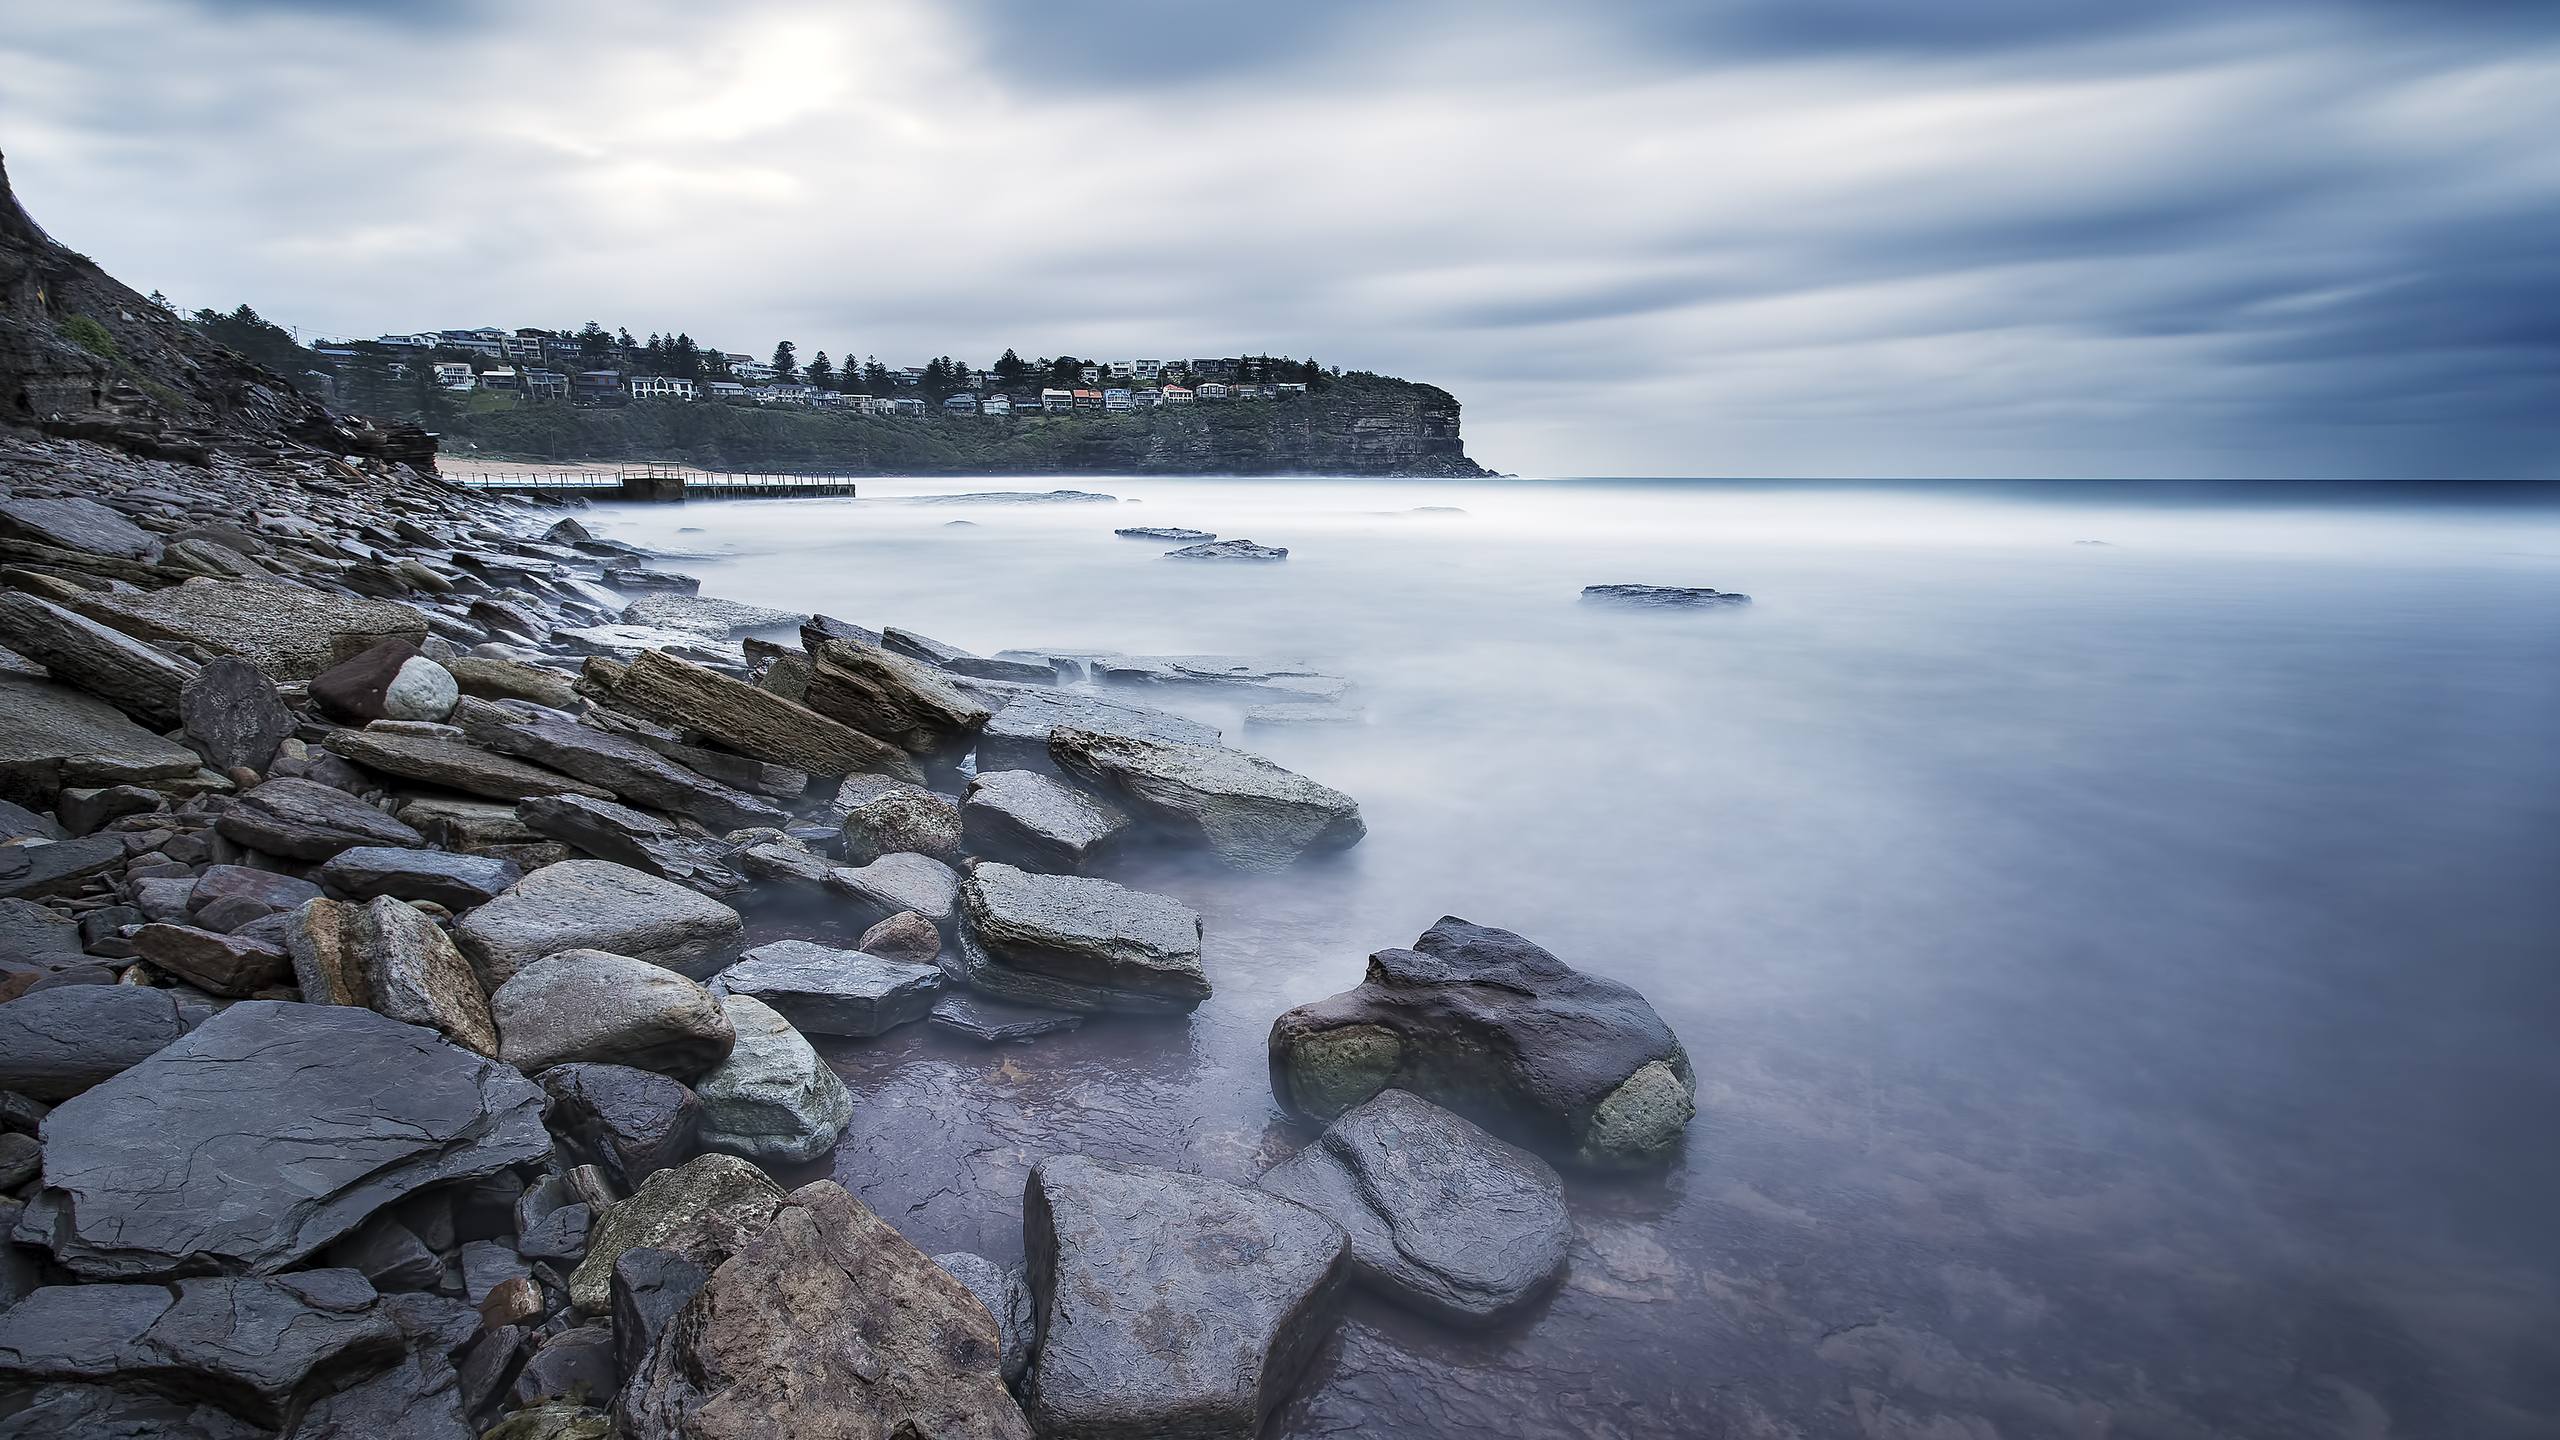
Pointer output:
x,y
82,356
1361,426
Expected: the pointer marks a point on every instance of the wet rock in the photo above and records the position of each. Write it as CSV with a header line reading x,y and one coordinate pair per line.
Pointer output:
x,y
1489,1025
1164,532
624,767
454,765
489,1367
85,812
711,1202
1170,1304
1025,818
990,1021
266,1133
895,883
577,1365
32,930
18,823
390,681
1250,813
637,839
257,1348
286,631
772,1100
58,1042
30,872
905,936
893,697
489,678
649,1287
641,577
456,882
386,956
1016,737
589,1005
899,818
753,721
136,678
418,1398
827,1323
53,1412
227,897
631,1122
705,615
1007,1296
57,736
1229,550
222,964
559,1236
1662,595
598,905
958,661
72,522
306,820
1071,943
824,991
1442,1216
388,1254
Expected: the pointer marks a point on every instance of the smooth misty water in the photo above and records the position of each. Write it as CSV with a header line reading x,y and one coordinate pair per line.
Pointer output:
x,y
2121,979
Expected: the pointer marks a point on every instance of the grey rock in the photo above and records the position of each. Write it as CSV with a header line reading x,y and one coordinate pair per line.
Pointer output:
x,y
454,765
1007,1296
1017,736
898,699
577,1365
637,839
705,615
710,1203
1489,1025
33,930
488,678
827,1323
631,1122
387,1254
136,678
108,1412
1164,532
488,1264
560,1236
772,1100
1073,943
227,897
1442,1216
1679,596
306,820
990,1021
59,1042
622,766
905,936
72,522
285,630
389,681
86,811
903,818
649,1287
895,883
21,1158
266,1133
456,882
58,736
824,991
598,905
223,964
17,822
590,1005
961,662
752,721
1170,1304
1229,550
388,957
641,577
419,1398
33,871
1025,818
1251,814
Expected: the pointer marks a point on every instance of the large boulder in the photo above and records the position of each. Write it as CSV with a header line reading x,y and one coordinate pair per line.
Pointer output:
x,y
827,1324
598,905
825,991
589,1005
57,736
709,1203
1170,1304
623,766
772,1100
1442,1216
285,630
753,721
389,957
632,1123
232,715
136,678
891,817
306,820
1073,943
1486,1023
266,1133
1250,813
389,681
58,1042
893,697
1025,818
454,765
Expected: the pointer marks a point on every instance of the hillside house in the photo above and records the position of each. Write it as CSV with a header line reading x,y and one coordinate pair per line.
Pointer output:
x,y
1088,399
1090,374
597,387
724,390
1288,390
963,403
1177,394
1149,398
663,387
546,384
1057,402
1123,369
454,375
998,404
1211,390
1146,372
905,405
1115,402
505,381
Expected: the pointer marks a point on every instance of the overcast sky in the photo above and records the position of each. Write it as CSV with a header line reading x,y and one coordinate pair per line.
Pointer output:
x,y
1774,237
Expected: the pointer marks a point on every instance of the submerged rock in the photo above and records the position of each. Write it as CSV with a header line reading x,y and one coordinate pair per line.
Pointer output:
x,y
990,1021
1163,532
1071,943
598,905
1170,1304
1250,813
827,1323
1442,1216
772,1100
1016,737
266,1133
825,991
1489,1025
1230,550
1662,595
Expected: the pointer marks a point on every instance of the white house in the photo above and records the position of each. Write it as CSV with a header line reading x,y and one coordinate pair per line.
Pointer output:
x,y
1212,390
1146,372
454,375
997,404
1123,369
663,387
1057,401
1090,374
1177,395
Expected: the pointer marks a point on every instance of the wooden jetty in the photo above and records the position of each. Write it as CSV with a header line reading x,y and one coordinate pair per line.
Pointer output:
x,y
666,484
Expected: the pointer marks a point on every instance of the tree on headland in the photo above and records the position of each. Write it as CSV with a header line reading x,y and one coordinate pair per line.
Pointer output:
x,y
257,337
786,362
595,344
1010,370
875,376
684,358
821,372
1066,370
627,348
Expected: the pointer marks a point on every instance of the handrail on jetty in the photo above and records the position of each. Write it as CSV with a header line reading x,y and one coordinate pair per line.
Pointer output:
x,y
666,484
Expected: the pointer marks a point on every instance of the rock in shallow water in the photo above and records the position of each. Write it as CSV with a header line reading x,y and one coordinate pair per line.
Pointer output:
x,y
1072,943
990,1021
1230,550
895,884
1442,1216
1662,595
1007,1296
590,1005
1170,1304
1250,813
772,1100
825,991
268,1132
1488,1024
1024,818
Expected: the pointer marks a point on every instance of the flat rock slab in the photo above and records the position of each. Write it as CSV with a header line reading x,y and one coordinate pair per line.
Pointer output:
x,y
1170,1304
622,766
902,700
589,1005
1497,1029
455,766
990,1021
457,882
1164,532
71,522
1664,596
1230,550
1016,737
753,721
1025,818
56,1043
266,1133
828,1323
598,905
136,678
58,736
1442,1216
1075,943
710,1199
825,991
772,1100
306,820
287,631
896,883
707,615
1251,814
636,838
31,872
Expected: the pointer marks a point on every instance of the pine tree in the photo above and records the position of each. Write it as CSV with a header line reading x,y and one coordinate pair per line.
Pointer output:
x,y
875,376
786,362
821,372
1009,368
595,344
684,358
